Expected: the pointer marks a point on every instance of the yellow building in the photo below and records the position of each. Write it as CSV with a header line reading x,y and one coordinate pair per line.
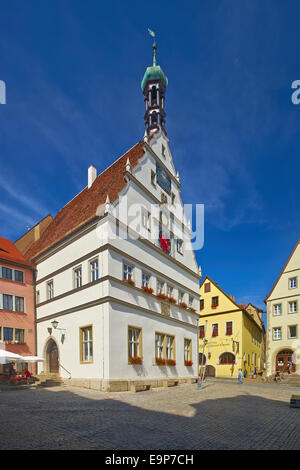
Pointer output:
x,y
234,337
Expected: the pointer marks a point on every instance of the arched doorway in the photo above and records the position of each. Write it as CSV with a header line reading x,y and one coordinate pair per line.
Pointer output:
x,y
210,371
52,357
283,358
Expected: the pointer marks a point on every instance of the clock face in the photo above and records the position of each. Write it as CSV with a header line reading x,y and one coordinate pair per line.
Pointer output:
x,y
164,242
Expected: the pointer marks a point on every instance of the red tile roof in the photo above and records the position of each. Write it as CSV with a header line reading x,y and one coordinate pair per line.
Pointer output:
x,y
9,252
83,207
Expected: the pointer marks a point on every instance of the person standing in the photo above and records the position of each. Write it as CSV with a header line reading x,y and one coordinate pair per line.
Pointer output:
x,y
240,376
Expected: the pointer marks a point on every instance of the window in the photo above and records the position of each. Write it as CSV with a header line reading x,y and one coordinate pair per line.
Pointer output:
x,y
127,271
173,198
180,297
191,301
94,270
277,309
163,149
146,219
207,287
86,344
292,331
77,277
153,178
229,328
19,276
134,342
8,334
7,302
160,287
187,350
169,291
145,280
201,331
19,335
292,282
179,244
159,346
50,290
214,301
276,333
170,347
7,273
227,358
201,304
215,329
19,304
293,307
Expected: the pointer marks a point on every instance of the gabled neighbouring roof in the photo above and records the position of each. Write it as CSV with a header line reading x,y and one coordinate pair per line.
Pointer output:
x,y
82,209
9,252
282,271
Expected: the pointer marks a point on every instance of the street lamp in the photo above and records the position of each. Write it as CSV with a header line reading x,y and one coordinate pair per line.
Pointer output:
x,y
54,323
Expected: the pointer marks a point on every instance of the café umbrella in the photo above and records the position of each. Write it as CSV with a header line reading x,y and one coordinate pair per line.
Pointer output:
x,y
7,356
32,358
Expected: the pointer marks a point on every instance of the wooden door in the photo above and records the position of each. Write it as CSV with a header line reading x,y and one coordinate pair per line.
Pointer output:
x,y
53,357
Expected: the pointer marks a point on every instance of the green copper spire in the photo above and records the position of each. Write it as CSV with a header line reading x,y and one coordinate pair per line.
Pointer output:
x,y
154,72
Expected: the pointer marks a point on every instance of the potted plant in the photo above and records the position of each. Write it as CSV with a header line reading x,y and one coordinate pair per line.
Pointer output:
x,y
160,362
135,360
172,300
148,290
183,305
162,296
129,281
188,363
171,362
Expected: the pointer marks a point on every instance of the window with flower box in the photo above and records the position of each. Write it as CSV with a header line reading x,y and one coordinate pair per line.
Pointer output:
x,y
227,358
229,328
188,352
201,304
134,345
128,273
201,331
164,349
215,329
215,302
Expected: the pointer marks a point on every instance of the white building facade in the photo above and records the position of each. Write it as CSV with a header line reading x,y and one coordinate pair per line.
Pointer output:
x,y
117,280
283,318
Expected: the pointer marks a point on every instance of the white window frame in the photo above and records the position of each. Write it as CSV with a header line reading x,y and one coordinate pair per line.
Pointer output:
x,y
170,341
146,279
159,345
93,270
163,284
277,337
293,302
77,278
293,285
134,341
126,271
50,289
274,309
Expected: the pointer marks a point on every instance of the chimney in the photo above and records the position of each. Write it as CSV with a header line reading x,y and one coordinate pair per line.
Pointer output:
x,y
92,175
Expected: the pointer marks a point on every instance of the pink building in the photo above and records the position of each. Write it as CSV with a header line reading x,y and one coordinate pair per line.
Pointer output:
x,y
17,303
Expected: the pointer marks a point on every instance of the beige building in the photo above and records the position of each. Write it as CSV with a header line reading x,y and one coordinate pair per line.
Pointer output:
x,y
283,313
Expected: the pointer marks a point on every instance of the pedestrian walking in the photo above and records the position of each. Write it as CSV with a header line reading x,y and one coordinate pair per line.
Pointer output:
x,y
240,376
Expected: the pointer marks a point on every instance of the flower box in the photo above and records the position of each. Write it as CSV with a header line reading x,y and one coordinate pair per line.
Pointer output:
x,y
172,300
191,309
188,363
214,305
170,362
183,305
135,360
129,281
201,307
162,296
160,362
148,290
228,333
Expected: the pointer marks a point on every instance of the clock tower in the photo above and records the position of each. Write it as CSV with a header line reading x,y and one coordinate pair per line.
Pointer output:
x,y
154,85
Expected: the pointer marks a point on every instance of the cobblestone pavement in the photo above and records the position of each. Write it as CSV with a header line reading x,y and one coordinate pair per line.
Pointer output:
x,y
220,416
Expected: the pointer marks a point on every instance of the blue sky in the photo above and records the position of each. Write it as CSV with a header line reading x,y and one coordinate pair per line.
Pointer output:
x,y
73,71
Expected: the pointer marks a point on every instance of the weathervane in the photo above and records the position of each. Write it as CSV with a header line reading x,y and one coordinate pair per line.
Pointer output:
x,y
152,33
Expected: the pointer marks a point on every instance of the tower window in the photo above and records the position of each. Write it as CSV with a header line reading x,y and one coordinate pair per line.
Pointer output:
x,y
153,96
